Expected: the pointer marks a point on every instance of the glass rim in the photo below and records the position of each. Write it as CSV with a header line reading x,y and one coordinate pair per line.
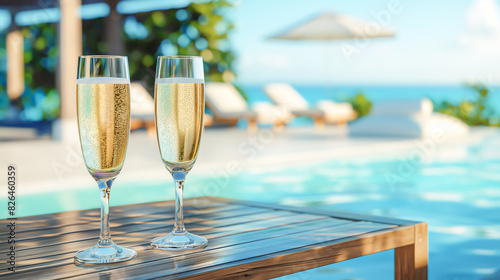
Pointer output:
x,y
102,56
179,56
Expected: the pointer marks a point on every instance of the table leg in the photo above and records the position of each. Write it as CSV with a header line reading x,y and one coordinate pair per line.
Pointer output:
x,y
411,260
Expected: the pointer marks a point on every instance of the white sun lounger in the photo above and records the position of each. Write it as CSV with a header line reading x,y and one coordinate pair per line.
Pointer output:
x,y
409,119
228,107
326,110
142,108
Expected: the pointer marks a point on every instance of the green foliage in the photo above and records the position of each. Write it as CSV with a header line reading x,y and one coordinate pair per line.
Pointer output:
x,y
473,112
241,91
40,55
94,39
40,62
4,102
50,105
198,29
360,104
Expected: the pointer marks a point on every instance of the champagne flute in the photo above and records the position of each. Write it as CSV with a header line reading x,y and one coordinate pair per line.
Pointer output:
x,y
103,97
179,111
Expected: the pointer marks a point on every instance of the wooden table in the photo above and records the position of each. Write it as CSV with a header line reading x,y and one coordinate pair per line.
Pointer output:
x,y
246,240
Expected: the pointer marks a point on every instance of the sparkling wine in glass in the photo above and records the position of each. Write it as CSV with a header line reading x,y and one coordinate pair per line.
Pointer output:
x,y
103,97
179,111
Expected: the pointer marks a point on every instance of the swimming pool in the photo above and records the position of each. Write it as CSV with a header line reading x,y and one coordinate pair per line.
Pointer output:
x,y
455,188
456,191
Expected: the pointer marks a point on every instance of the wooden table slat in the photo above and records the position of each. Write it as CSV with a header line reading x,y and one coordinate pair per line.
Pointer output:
x,y
139,237
202,259
78,241
286,223
329,213
220,255
123,240
300,259
219,240
117,224
33,228
246,240
125,210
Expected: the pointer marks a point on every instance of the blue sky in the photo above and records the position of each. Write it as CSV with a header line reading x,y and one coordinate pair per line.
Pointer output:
x,y
437,42
430,47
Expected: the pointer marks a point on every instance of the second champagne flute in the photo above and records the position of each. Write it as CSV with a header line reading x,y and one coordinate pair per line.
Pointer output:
x,y
179,111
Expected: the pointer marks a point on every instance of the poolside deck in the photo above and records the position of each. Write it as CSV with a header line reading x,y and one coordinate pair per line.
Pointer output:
x,y
247,240
54,165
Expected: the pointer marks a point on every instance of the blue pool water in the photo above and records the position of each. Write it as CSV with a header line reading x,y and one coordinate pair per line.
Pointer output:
x,y
375,93
455,189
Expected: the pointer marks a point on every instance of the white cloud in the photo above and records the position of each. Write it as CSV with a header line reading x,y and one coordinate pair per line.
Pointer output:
x,y
482,31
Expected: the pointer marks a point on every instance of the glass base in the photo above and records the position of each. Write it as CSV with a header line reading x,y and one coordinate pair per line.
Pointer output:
x,y
109,253
179,241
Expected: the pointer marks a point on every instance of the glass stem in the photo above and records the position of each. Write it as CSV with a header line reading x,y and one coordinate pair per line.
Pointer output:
x,y
104,188
179,178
